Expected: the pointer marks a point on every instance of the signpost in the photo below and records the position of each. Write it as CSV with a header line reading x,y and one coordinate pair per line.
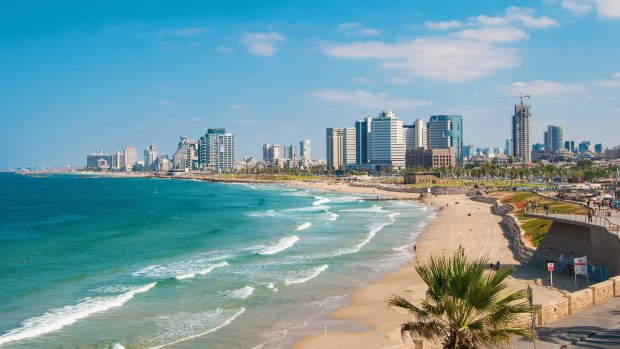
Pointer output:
x,y
581,267
551,268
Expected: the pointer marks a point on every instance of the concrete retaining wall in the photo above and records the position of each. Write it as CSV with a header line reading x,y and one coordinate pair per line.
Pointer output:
x,y
579,300
551,312
602,291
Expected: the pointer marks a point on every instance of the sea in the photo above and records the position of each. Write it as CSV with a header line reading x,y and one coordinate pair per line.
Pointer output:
x,y
93,262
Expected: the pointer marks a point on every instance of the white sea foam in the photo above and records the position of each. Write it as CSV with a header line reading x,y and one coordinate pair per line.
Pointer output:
x,y
309,209
241,293
374,229
201,272
280,246
314,274
190,326
269,213
331,216
304,226
55,319
320,200
373,209
180,270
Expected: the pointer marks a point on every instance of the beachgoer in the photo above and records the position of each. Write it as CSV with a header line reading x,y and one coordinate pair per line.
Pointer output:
x,y
414,247
589,216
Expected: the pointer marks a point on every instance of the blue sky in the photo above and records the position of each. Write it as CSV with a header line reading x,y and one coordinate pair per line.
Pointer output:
x,y
79,75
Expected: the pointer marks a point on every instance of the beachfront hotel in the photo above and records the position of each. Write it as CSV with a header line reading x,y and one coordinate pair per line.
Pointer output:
x,y
216,151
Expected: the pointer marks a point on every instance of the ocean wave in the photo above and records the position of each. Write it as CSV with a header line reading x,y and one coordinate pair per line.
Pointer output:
x,y
312,275
269,213
55,319
308,209
304,226
281,245
183,327
320,200
331,216
179,270
374,229
201,272
241,293
373,209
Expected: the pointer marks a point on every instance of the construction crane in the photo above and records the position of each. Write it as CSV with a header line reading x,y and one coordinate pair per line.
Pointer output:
x,y
521,96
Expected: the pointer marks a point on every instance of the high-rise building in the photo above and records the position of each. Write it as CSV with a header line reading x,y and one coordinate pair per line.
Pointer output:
x,y
349,150
554,138
599,148
118,160
538,147
386,144
271,152
305,149
446,131
98,161
362,129
334,148
290,153
216,151
469,150
131,158
585,146
150,155
186,156
570,146
508,149
521,143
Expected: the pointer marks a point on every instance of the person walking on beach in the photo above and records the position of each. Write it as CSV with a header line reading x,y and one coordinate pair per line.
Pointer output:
x,y
546,209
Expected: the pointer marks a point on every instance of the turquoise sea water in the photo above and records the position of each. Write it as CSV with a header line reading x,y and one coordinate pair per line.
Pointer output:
x,y
87,262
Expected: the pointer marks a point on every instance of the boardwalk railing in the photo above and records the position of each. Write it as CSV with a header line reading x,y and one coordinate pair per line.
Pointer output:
x,y
596,220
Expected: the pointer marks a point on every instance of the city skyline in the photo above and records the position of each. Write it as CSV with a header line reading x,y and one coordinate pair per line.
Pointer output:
x,y
79,77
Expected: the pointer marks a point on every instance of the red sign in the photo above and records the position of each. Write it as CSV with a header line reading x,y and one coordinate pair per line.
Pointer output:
x,y
550,267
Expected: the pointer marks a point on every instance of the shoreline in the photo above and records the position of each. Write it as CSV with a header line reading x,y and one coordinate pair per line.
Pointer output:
x,y
461,222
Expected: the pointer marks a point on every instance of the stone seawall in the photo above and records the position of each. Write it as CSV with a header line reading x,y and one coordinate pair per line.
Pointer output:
x,y
515,233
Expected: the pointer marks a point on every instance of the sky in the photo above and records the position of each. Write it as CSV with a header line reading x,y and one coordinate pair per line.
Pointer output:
x,y
76,76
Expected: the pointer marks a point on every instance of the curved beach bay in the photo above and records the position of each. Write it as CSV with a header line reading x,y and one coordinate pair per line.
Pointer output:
x,y
149,263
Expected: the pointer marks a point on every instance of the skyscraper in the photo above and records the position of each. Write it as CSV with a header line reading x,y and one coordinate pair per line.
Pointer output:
x,y
349,146
415,135
150,155
186,156
131,158
521,144
569,145
386,144
554,138
305,149
334,148
446,131
217,151
271,152
362,129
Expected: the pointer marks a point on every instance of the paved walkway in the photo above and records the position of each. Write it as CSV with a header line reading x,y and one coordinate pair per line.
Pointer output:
x,y
595,328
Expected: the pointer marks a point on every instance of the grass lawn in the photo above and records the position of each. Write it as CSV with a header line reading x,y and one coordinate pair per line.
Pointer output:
x,y
535,229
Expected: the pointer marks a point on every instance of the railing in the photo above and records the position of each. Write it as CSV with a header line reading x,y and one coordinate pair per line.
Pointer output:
x,y
591,219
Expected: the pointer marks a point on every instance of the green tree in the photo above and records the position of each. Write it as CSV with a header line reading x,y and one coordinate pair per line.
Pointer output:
x,y
466,306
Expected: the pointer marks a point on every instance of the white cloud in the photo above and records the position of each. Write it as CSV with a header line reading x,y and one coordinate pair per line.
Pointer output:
x,y
399,80
348,25
224,49
443,25
578,7
355,28
516,15
616,75
191,31
608,9
435,58
236,106
538,88
607,83
262,44
361,80
493,34
195,119
167,103
367,99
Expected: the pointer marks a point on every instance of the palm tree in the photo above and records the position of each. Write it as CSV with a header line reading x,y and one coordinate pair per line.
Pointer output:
x,y
466,306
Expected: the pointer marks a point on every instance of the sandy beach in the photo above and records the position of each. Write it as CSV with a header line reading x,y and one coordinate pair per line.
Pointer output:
x,y
460,221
